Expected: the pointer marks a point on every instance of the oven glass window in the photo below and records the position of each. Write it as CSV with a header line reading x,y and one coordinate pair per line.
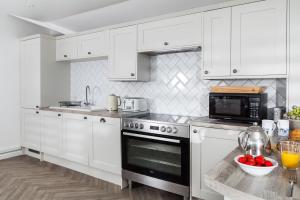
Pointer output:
x,y
158,157
226,106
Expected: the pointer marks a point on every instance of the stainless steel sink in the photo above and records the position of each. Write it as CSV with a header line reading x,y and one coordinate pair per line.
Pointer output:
x,y
78,108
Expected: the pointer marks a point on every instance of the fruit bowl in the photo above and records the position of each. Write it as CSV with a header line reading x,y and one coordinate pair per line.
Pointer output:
x,y
256,170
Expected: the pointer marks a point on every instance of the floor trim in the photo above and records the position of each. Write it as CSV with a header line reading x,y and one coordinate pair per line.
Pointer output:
x,y
10,154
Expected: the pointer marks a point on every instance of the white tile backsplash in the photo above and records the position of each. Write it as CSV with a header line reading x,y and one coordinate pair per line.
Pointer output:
x,y
176,86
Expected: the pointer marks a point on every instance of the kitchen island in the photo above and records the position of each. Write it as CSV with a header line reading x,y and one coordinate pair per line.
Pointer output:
x,y
229,180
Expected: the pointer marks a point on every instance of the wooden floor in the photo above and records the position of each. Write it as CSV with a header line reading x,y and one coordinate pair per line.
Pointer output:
x,y
25,178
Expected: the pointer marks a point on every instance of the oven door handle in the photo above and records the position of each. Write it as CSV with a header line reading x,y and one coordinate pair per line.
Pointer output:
x,y
152,137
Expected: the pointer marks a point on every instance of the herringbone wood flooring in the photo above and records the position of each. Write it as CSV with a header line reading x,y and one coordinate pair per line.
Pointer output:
x,y
26,178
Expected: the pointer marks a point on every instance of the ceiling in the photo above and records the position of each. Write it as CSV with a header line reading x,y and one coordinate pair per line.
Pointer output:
x,y
80,15
47,10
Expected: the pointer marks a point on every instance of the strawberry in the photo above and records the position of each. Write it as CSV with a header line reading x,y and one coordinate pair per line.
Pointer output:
x,y
248,156
243,160
268,163
260,160
251,163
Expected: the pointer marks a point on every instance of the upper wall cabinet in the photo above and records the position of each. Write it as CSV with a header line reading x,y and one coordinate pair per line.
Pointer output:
x,y
170,34
66,49
216,42
250,44
84,46
259,36
124,61
93,45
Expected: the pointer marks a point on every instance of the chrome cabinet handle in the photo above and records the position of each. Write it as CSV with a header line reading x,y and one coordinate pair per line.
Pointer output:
x,y
234,71
166,43
102,120
89,53
85,118
205,72
37,112
59,115
195,131
132,74
65,56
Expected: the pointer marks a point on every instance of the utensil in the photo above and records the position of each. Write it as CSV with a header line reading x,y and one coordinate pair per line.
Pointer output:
x,y
292,182
290,154
113,102
253,140
255,170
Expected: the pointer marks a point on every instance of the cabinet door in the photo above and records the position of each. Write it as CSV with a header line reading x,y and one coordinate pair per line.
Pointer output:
x,y
294,69
209,146
259,39
106,137
217,43
30,73
123,53
76,134
31,129
196,161
93,45
66,49
51,136
168,34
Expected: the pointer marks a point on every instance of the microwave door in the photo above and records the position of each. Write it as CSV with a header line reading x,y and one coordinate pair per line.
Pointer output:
x,y
231,107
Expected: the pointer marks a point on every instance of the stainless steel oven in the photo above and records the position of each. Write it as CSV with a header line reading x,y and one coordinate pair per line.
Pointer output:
x,y
157,154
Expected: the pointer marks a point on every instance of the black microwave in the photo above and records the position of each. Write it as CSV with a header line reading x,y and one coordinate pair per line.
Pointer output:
x,y
238,107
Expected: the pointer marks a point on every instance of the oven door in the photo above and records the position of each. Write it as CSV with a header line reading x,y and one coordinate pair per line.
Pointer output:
x,y
165,158
229,106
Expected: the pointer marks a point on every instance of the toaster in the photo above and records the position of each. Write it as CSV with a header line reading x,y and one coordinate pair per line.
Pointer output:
x,y
134,104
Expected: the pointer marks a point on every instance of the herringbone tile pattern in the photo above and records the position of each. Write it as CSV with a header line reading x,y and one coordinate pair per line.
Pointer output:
x,y
25,178
176,85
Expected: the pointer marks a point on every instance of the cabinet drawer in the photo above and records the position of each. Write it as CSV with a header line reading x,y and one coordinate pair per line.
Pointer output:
x,y
66,49
93,45
169,34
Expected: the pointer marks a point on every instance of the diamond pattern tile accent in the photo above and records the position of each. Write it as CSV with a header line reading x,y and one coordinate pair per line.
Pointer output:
x,y
176,86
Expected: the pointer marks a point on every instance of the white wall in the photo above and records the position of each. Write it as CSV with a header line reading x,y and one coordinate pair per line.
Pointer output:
x,y
10,30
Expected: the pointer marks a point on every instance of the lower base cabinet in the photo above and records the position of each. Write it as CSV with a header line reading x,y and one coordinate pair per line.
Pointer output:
x,y
51,134
105,145
208,147
88,140
31,129
77,130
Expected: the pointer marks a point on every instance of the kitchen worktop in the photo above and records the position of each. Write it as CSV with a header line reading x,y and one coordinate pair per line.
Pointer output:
x,y
100,113
219,124
229,180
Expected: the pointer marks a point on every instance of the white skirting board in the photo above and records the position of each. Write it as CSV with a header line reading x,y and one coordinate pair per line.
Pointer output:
x,y
100,174
10,153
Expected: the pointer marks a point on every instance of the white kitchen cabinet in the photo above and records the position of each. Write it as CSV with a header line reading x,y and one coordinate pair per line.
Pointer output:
x,y
43,82
93,45
259,39
67,49
30,73
171,34
124,61
216,43
76,133
31,129
208,147
105,145
294,56
51,133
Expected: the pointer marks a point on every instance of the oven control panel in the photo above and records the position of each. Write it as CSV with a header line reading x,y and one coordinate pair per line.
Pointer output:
x,y
156,128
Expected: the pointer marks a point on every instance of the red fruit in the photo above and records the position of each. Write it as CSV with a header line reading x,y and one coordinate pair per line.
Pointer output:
x,y
268,163
243,160
251,163
248,156
260,160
